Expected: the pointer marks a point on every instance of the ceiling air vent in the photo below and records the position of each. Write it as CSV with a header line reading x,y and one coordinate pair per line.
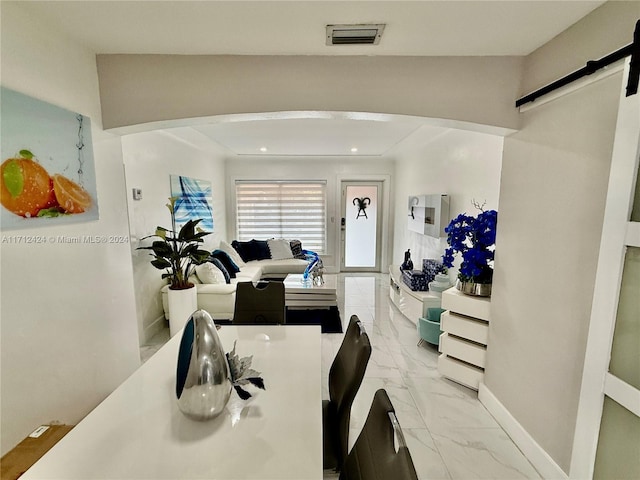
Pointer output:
x,y
354,34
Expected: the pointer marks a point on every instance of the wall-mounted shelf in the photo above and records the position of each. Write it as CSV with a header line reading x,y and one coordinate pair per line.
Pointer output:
x,y
428,214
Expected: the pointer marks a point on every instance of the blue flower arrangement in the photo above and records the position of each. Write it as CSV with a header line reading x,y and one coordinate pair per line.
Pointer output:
x,y
474,238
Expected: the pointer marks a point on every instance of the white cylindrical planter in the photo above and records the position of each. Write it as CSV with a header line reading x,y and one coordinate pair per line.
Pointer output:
x,y
182,303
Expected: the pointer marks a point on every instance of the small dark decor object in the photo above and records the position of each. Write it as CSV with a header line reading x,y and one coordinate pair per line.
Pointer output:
x,y
362,203
431,267
413,203
178,252
416,280
407,264
474,238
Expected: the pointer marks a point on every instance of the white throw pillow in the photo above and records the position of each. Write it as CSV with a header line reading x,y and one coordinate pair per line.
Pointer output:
x,y
280,249
209,273
235,256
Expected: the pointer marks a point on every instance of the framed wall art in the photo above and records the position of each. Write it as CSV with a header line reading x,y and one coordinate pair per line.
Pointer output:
x,y
47,171
194,201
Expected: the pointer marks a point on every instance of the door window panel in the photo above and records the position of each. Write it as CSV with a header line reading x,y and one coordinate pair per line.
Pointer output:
x,y
618,456
625,350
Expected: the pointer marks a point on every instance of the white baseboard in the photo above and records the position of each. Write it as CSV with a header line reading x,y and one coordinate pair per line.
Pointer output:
x,y
538,457
154,327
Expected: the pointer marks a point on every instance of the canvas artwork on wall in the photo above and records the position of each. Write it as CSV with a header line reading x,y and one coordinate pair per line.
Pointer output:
x,y
194,201
47,174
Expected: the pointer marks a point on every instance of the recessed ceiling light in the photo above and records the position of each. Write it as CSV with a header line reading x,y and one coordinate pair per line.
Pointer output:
x,y
354,150
263,149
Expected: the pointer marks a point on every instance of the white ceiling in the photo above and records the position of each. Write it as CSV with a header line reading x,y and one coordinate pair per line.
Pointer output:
x,y
316,134
264,27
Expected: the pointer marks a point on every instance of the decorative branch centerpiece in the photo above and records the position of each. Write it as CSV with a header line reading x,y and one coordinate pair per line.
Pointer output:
x,y
242,374
474,238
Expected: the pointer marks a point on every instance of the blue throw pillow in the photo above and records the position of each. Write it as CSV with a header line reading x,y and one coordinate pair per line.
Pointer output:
x,y
222,268
243,250
260,249
252,250
226,260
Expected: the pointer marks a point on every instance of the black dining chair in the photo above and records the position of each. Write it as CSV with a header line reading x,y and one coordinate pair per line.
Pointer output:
x,y
261,303
380,451
345,376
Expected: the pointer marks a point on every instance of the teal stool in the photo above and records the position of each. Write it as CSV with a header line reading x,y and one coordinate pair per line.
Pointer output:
x,y
429,328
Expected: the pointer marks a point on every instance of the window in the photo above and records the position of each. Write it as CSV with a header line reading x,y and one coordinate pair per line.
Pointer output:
x,y
282,209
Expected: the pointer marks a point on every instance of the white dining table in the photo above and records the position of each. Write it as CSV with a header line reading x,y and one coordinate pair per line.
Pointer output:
x,y
138,432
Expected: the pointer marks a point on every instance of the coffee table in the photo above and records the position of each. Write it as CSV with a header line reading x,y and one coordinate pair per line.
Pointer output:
x,y
301,296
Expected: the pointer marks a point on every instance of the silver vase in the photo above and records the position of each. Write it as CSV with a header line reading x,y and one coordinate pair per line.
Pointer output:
x,y
474,289
203,386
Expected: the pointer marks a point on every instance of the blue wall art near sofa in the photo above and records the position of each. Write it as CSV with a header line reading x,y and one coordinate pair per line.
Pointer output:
x,y
194,201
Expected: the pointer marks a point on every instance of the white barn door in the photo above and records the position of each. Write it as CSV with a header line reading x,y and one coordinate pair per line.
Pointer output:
x,y
607,437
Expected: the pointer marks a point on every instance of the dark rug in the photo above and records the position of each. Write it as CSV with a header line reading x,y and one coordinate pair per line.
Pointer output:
x,y
328,319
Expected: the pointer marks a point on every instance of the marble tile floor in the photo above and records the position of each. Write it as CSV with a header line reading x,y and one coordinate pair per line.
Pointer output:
x,y
449,432
154,344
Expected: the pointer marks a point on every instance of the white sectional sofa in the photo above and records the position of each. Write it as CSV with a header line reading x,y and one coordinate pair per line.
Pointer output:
x,y
219,298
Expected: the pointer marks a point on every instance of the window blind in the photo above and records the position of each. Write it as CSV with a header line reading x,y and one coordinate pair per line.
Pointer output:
x,y
282,209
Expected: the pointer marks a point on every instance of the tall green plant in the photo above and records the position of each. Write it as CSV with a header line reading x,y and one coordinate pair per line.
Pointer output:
x,y
178,252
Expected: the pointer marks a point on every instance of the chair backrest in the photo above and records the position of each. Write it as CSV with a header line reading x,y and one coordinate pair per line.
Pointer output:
x,y
259,304
374,455
345,376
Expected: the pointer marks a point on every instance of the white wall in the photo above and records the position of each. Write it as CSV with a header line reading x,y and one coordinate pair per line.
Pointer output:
x,y
150,158
331,169
462,164
480,90
603,31
68,316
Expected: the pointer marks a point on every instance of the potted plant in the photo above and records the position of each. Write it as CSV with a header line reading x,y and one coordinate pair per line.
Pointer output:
x,y
178,252
474,238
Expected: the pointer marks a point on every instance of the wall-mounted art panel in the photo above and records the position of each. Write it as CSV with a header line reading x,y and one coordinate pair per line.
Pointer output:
x,y
47,175
194,201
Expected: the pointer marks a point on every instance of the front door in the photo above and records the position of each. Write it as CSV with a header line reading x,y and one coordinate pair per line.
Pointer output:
x,y
360,233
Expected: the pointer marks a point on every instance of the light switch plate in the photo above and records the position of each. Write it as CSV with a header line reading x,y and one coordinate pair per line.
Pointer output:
x,y
39,431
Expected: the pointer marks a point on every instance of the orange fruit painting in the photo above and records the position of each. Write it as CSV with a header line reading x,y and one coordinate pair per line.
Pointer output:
x,y
26,189
71,197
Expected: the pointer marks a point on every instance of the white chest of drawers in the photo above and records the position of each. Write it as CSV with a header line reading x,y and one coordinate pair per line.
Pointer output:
x,y
463,345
